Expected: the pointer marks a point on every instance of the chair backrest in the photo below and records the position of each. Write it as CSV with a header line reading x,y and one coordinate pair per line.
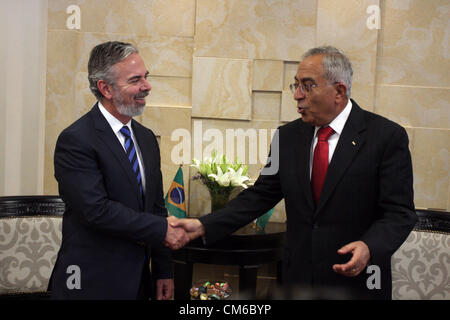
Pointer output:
x,y
421,266
30,237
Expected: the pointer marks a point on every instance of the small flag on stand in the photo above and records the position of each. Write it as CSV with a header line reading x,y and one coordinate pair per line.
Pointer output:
x,y
175,197
262,221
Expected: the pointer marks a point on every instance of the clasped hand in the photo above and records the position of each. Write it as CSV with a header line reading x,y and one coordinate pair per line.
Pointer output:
x,y
181,231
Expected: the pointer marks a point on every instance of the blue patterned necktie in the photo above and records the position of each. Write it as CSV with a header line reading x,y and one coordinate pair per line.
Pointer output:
x,y
132,155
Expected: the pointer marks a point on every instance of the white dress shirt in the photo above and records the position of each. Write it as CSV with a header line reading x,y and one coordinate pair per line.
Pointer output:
x,y
116,125
337,125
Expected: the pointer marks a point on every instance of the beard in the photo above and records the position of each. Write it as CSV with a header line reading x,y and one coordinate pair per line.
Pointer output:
x,y
129,109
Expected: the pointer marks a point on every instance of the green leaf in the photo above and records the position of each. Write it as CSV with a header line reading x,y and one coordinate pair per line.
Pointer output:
x,y
208,170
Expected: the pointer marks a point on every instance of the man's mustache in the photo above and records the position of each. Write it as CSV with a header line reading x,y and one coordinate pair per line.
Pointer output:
x,y
142,95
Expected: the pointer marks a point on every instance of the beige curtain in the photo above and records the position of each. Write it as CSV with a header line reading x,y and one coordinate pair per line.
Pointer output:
x,y
23,25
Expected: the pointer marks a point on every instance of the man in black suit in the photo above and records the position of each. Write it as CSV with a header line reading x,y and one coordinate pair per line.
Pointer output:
x,y
108,171
346,177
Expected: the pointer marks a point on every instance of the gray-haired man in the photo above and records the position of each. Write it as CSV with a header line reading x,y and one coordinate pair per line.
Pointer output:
x,y
108,171
346,177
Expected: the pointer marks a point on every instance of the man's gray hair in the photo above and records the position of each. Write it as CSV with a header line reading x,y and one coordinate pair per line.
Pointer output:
x,y
336,66
101,61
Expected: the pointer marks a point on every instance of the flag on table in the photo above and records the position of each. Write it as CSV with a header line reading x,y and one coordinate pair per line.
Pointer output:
x,y
262,221
175,197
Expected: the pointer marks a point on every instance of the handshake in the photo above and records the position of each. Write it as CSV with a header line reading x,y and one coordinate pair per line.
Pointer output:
x,y
181,231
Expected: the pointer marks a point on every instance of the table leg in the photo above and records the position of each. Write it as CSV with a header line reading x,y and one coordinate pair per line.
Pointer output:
x,y
247,282
182,280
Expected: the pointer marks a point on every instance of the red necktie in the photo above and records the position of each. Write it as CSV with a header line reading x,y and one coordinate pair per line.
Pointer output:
x,y
320,162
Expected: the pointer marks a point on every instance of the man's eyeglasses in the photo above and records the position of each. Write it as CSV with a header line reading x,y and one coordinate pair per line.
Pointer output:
x,y
304,88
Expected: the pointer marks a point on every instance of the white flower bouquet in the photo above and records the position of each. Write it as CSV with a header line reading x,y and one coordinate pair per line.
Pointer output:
x,y
221,176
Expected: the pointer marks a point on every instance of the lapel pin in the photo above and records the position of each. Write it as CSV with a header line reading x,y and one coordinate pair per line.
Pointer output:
x,y
354,143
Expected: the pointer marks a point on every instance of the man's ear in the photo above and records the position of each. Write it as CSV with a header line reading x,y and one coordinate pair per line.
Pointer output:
x,y
105,88
341,91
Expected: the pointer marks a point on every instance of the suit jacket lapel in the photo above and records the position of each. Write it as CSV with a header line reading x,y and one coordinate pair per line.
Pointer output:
x,y
302,149
350,142
109,138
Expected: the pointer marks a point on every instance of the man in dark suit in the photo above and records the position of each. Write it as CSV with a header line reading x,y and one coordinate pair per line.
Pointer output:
x,y
346,177
108,171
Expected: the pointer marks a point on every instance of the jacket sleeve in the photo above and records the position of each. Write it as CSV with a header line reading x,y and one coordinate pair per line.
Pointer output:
x,y
395,200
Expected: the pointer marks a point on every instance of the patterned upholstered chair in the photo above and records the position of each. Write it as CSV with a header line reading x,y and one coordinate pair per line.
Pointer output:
x,y
30,236
421,266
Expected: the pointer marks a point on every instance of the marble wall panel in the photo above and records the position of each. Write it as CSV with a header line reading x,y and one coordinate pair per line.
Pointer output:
x,y
165,120
260,129
138,17
343,24
267,75
288,107
164,17
290,70
414,47
431,167
415,106
407,58
96,16
57,16
167,56
170,91
84,99
209,134
60,75
60,95
269,29
363,94
221,88
266,105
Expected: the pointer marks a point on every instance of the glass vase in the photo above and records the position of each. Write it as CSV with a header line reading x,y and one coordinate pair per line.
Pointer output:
x,y
219,199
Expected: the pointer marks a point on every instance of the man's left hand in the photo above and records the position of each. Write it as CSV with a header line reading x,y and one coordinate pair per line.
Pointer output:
x,y
164,289
360,257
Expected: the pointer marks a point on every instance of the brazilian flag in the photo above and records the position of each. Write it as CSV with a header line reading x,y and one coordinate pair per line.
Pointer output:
x,y
175,197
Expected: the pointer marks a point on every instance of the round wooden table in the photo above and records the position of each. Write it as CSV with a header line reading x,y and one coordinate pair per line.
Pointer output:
x,y
248,248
